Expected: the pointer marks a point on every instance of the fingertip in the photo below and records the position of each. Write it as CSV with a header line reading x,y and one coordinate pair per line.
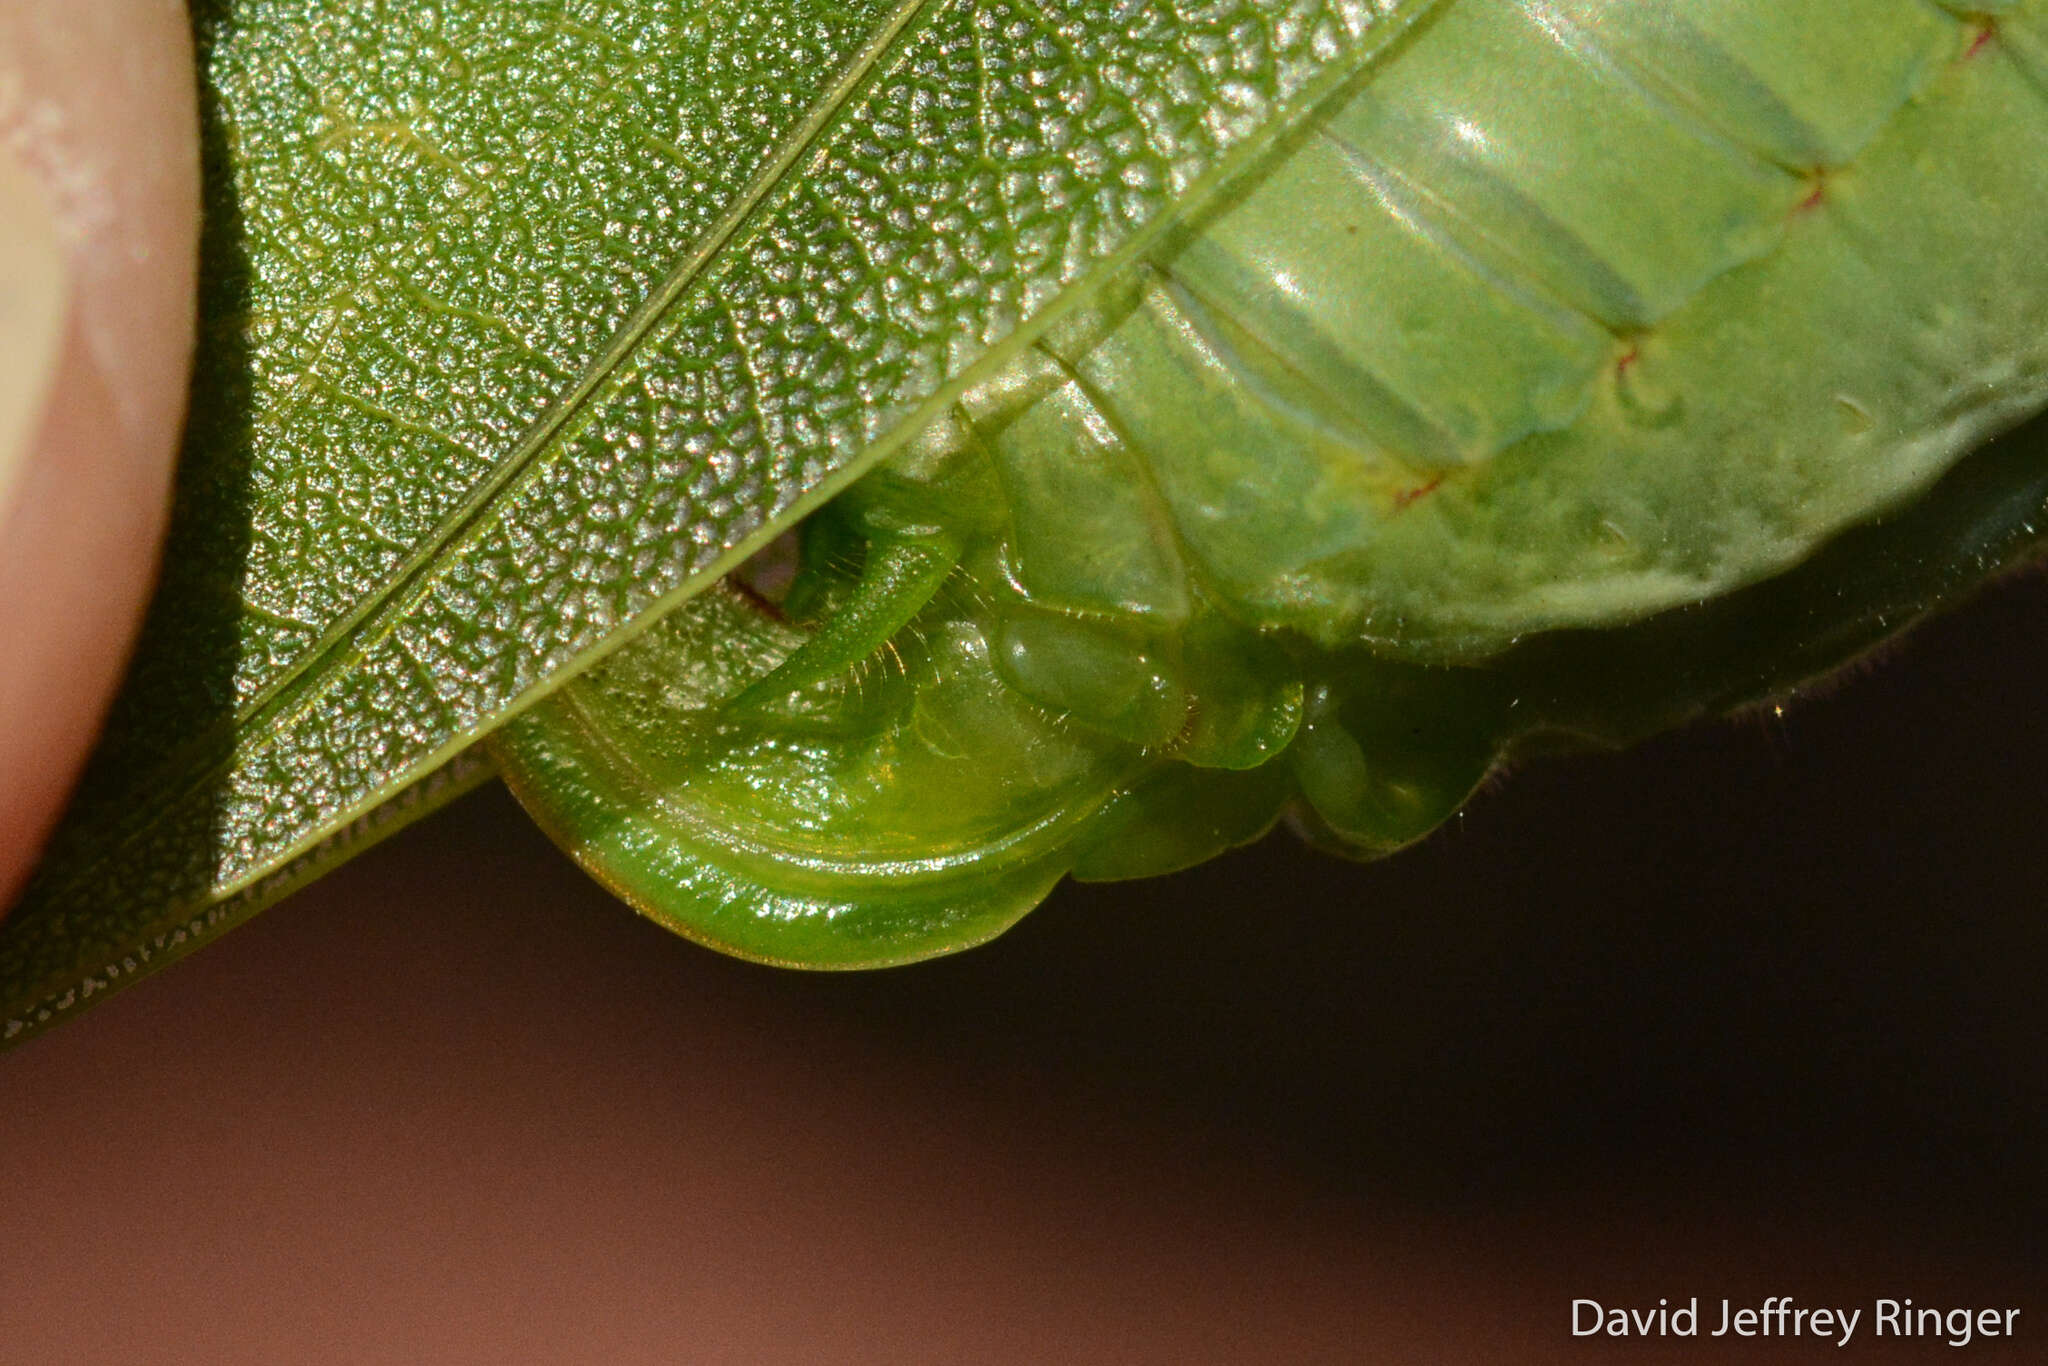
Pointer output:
x,y
98,133
35,288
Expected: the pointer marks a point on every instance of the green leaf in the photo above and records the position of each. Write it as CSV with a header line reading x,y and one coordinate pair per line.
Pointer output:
x,y
524,322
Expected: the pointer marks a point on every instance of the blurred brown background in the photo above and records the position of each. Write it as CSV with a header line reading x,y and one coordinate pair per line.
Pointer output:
x,y
1756,1010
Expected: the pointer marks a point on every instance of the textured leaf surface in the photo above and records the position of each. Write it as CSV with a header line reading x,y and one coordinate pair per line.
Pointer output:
x,y
523,320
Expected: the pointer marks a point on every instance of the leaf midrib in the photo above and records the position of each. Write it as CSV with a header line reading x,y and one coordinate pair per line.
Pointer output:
x,y
260,712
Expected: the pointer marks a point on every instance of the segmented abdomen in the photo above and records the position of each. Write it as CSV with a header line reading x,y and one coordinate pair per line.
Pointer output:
x,y
1573,311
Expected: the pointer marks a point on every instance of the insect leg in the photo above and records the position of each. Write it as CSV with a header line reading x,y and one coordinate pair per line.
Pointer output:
x,y
900,577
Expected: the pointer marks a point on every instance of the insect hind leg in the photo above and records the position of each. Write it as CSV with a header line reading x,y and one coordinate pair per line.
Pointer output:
x,y
901,575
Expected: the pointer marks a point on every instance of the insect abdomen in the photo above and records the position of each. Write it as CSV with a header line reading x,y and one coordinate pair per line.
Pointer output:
x,y
1581,310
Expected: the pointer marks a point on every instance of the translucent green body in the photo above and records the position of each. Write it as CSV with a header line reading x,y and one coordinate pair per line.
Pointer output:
x,y
1522,395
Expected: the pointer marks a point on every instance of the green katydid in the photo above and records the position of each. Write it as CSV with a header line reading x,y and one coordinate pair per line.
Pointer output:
x,y
1188,412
